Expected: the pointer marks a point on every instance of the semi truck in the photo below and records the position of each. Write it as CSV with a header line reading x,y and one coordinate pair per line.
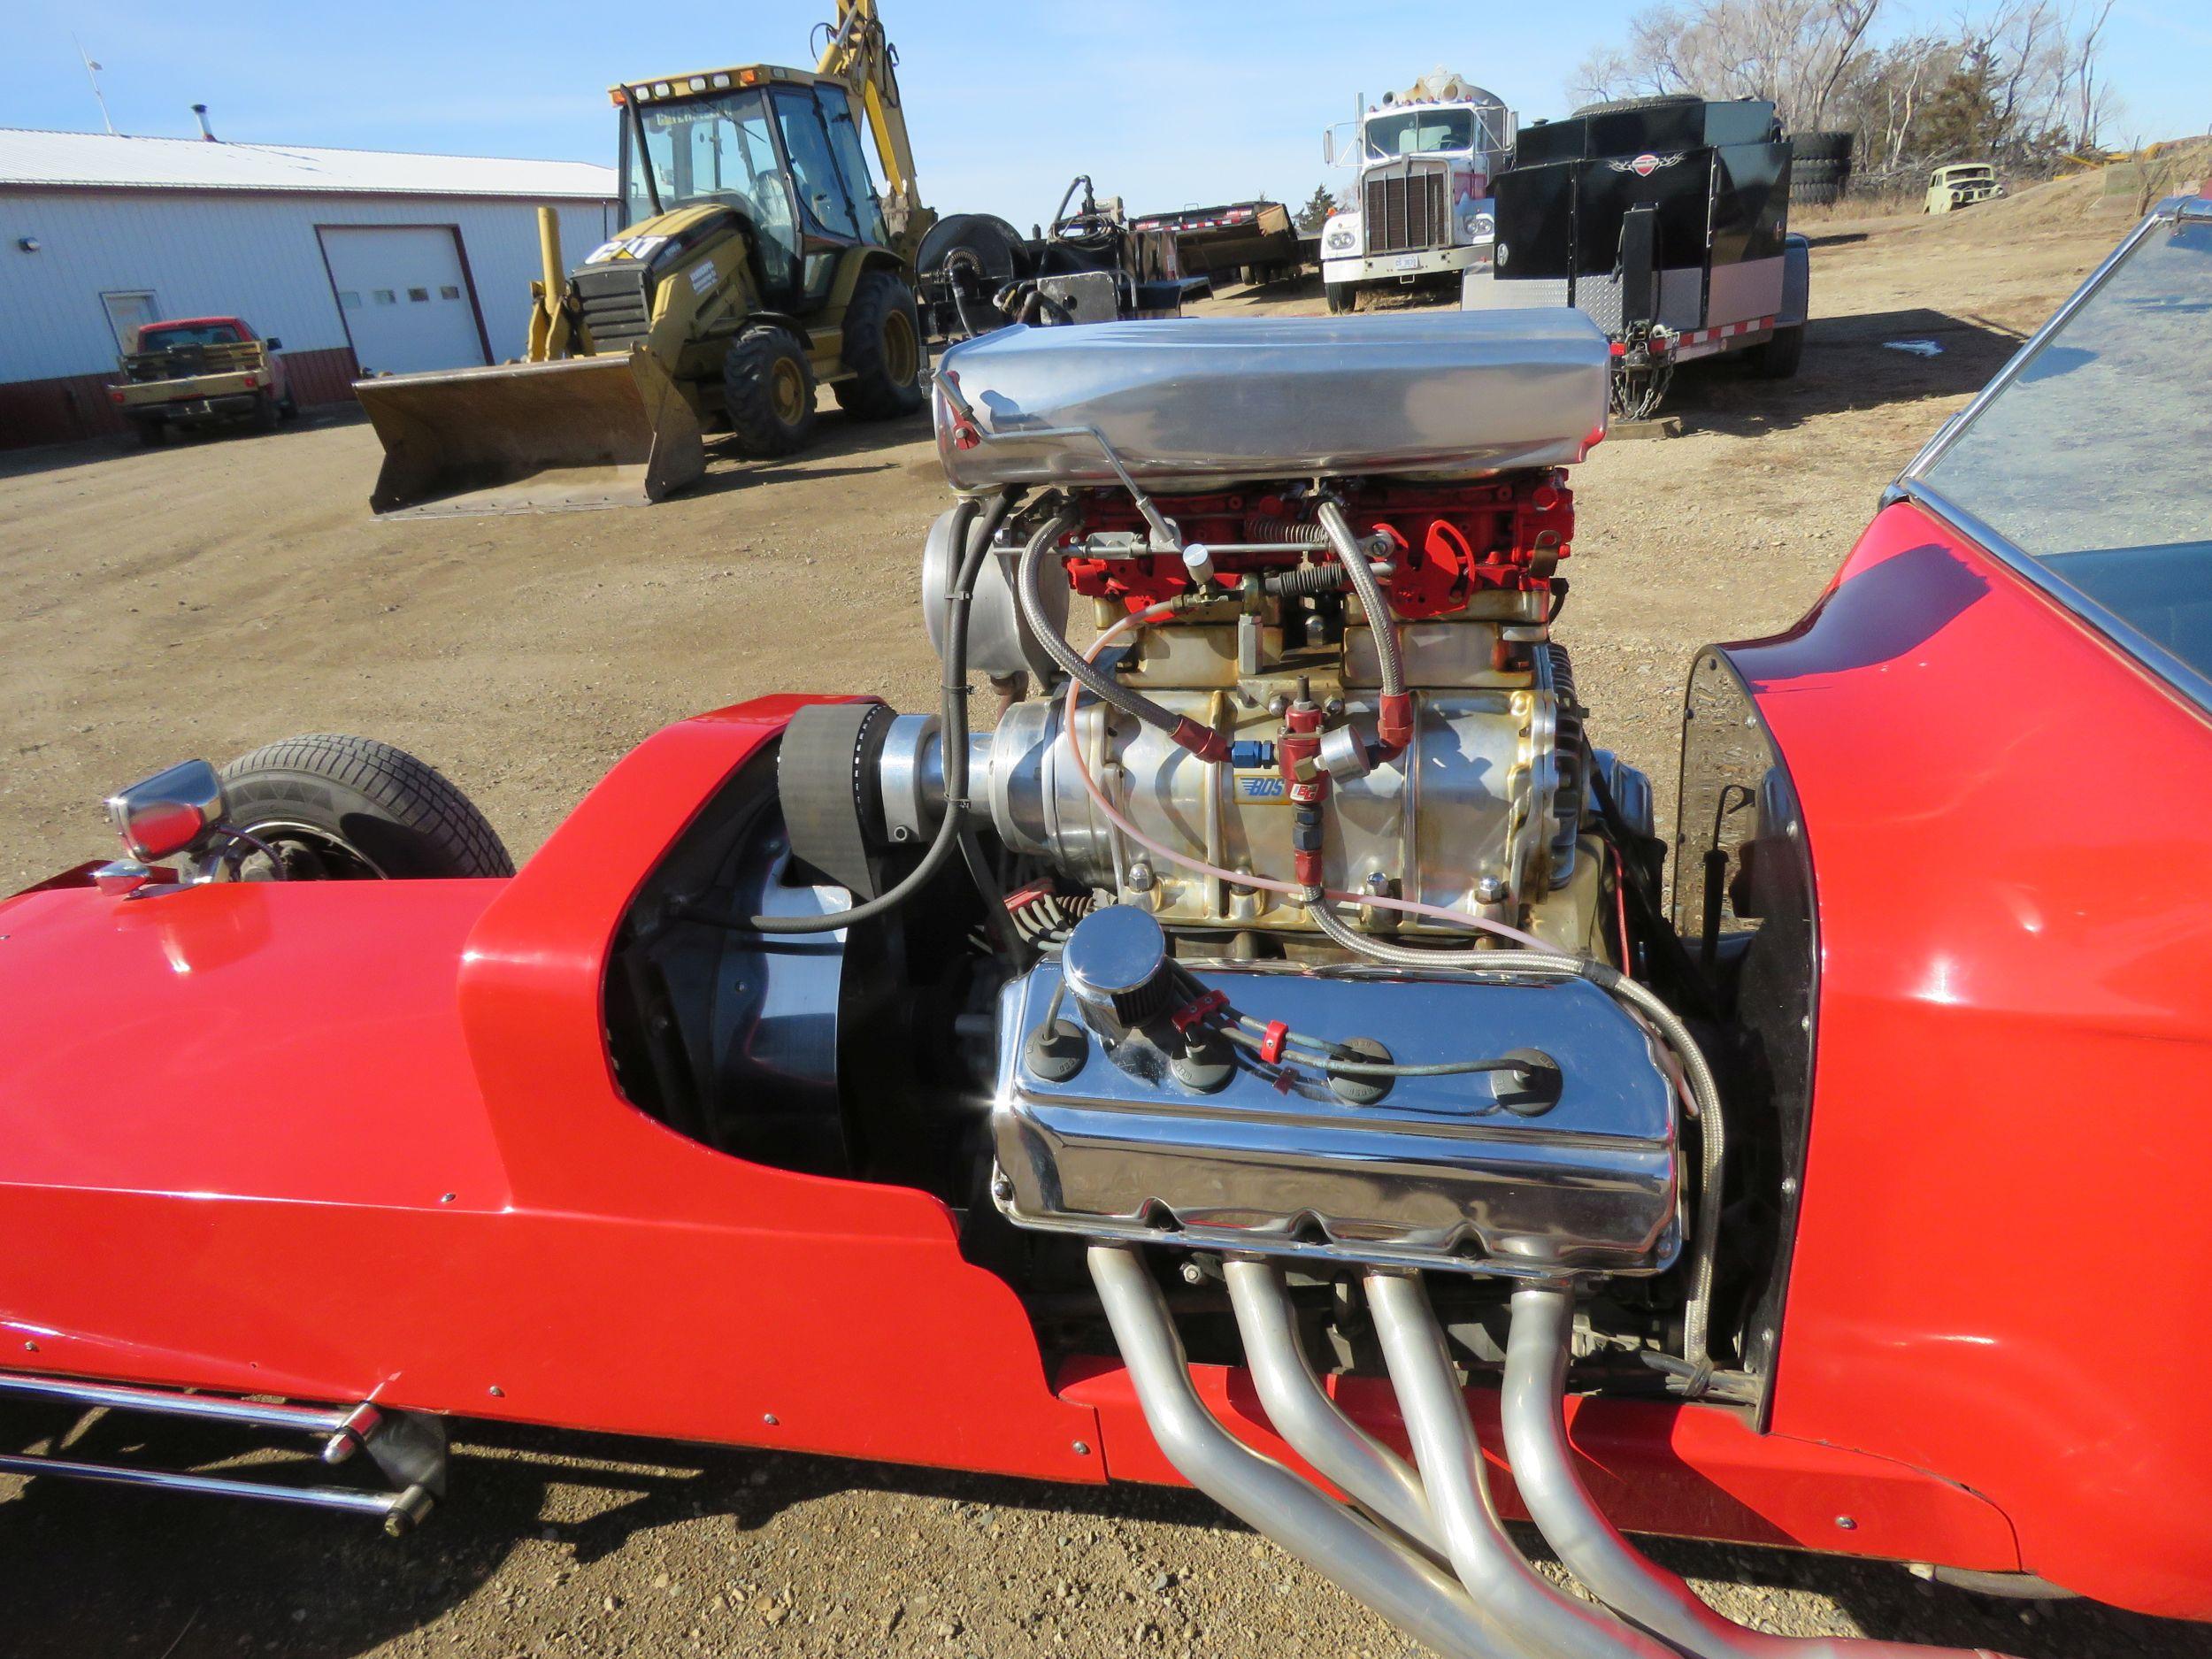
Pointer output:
x,y
1421,213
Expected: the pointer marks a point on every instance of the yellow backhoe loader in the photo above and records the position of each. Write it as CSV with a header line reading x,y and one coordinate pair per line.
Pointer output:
x,y
758,262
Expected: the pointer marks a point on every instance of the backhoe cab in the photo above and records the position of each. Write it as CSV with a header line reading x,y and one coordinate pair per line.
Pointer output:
x,y
758,263
758,259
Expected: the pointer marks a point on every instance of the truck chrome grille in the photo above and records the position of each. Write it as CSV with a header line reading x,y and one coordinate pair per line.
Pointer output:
x,y
1406,211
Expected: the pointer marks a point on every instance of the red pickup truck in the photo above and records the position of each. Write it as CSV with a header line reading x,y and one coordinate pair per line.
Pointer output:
x,y
195,370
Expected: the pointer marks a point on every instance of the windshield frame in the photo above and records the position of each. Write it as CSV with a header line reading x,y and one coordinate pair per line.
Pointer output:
x,y
634,149
1481,135
1913,485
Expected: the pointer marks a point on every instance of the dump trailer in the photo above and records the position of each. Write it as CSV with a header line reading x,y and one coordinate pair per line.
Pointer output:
x,y
1664,219
758,264
1253,239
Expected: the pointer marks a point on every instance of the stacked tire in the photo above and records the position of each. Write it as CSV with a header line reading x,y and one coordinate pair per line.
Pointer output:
x,y
1820,167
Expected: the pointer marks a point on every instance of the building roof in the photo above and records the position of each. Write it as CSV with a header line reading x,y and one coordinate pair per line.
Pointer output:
x,y
111,161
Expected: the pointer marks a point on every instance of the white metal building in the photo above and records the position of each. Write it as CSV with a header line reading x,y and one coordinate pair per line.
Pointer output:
x,y
359,261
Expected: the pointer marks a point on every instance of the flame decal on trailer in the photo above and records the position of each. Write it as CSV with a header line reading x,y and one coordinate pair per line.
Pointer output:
x,y
1644,165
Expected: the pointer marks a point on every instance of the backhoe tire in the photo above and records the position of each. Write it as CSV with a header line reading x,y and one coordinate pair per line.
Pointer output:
x,y
350,809
883,348
768,392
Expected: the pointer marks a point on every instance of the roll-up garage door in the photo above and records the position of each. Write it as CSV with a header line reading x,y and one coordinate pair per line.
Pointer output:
x,y
404,297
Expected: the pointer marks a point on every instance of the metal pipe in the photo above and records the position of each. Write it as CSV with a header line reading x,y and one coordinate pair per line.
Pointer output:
x,y
1495,1573
248,1413
1351,1552
383,1505
1361,573
1590,1545
1303,1413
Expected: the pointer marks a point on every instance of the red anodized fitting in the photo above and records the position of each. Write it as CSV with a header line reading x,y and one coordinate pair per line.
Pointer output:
x,y
1394,725
1202,741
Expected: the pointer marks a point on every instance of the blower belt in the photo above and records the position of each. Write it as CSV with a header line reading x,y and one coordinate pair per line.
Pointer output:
x,y
827,772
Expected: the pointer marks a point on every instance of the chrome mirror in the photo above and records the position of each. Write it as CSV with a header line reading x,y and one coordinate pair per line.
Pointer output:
x,y
169,811
1328,147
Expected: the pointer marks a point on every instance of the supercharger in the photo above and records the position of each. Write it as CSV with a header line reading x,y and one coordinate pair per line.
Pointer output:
x,y
1483,810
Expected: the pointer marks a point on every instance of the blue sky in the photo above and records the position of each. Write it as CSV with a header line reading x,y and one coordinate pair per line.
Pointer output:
x,y
1164,103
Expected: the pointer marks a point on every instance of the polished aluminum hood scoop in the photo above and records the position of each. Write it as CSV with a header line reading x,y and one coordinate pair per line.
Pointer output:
x,y
1191,403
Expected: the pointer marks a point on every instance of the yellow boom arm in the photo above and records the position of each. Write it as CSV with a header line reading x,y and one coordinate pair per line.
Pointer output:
x,y
859,55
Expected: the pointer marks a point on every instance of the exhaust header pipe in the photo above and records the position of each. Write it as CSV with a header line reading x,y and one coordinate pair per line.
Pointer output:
x,y
1352,1553
1386,1553
1592,1547
1490,1566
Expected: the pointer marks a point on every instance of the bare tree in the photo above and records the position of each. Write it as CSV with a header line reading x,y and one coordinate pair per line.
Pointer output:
x,y
1793,52
2091,98
2016,80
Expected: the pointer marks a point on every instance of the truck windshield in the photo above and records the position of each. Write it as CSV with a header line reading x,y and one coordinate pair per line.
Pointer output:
x,y
1419,133
161,336
706,149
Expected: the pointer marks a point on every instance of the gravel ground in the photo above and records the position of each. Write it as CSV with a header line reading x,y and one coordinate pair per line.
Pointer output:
x,y
207,598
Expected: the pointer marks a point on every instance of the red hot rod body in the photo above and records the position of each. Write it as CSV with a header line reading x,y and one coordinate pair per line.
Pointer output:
x,y
363,1141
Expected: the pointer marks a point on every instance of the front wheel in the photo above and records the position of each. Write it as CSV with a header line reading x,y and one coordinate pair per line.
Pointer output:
x,y
768,392
1343,296
327,808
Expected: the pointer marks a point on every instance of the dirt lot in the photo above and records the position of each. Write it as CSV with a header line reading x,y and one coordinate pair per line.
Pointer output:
x,y
205,599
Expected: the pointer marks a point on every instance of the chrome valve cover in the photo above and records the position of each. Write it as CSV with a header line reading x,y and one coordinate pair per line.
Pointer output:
x,y
1123,1137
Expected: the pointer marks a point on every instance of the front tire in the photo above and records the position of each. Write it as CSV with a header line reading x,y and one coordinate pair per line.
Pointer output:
x,y
1343,297
883,348
329,808
768,392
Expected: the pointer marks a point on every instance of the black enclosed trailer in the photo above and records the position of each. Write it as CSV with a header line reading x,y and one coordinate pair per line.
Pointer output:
x,y
1667,221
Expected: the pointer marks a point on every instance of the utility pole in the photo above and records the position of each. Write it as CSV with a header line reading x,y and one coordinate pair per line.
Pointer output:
x,y
91,73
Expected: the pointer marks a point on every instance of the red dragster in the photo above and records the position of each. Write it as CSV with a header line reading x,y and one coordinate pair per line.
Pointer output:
x,y
1278,1047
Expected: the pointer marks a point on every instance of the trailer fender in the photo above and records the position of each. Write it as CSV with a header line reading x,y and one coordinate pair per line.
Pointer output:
x,y
1797,282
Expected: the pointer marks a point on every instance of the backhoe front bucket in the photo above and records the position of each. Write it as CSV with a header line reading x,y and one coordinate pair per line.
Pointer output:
x,y
607,431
